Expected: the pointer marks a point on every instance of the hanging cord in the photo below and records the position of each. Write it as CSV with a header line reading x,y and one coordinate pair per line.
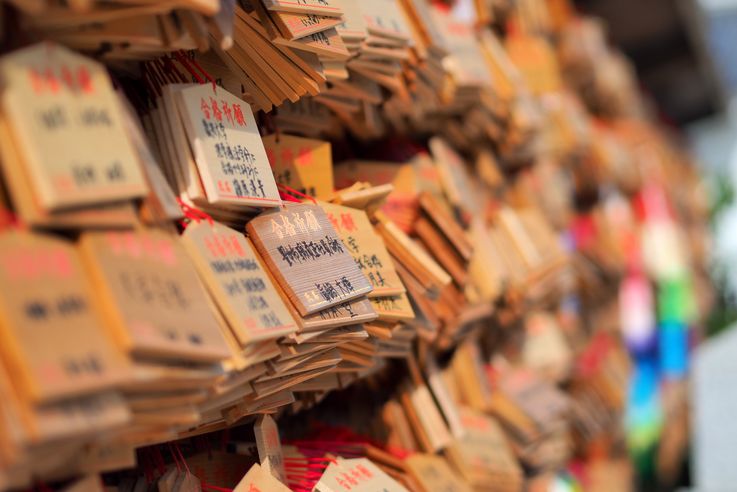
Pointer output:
x,y
288,189
192,214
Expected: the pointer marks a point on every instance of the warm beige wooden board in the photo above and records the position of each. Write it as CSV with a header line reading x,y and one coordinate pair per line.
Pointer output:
x,y
354,25
304,164
307,257
64,114
227,147
434,473
367,249
321,7
53,339
385,18
269,447
235,277
357,474
294,26
358,310
325,43
152,298
258,479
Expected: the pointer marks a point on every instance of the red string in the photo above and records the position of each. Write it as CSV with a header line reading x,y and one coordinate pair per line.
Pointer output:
x,y
288,197
289,189
148,467
214,487
160,460
185,63
174,455
9,220
192,214
204,72
181,457
169,64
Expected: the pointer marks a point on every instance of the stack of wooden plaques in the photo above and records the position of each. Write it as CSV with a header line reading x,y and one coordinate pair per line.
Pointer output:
x,y
52,178
60,367
483,454
248,304
535,414
597,396
158,312
209,147
127,30
326,292
180,256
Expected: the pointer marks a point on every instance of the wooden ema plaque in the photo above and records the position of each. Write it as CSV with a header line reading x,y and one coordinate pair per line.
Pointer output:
x,y
234,275
356,475
367,249
434,473
269,447
227,147
53,341
354,25
485,445
306,256
150,292
66,120
393,308
259,480
294,26
329,8
385,18
345,313
304,164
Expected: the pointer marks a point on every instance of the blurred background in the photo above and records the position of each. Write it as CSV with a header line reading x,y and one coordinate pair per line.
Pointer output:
x,y
684,55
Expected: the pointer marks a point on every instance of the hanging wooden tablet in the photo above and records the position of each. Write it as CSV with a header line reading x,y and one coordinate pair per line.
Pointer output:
x,y
367,249
79,418
535,58
454,177
357,474
357,310
545,348
393,308
294,26
384,18
325,43
319,7
543,402
346,313
301,163
354,25
412,256
152,297
269,447
434,473
52,338
429,420
27,207
63,112
308,259
227,148
160,201
258,479
234,275
485,451
441,217
447,406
